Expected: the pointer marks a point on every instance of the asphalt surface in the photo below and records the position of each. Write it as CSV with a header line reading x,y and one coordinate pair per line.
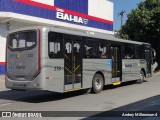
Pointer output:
x,y
128,98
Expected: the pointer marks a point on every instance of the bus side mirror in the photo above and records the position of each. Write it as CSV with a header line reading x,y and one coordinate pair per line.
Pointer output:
x,y
153,53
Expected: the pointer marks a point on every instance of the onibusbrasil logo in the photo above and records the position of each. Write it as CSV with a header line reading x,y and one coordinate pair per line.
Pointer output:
x,y
21,114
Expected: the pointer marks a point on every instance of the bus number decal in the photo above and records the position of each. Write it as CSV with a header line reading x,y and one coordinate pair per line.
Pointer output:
x,y
20,67
30,55
57,68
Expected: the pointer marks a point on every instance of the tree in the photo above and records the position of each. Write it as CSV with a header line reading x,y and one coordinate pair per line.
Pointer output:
x,y
143,25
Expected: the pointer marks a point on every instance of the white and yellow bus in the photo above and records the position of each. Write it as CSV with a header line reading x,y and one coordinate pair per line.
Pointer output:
x,y
62,60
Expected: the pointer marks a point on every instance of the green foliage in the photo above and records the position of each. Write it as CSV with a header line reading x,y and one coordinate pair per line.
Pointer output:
x,y
143,24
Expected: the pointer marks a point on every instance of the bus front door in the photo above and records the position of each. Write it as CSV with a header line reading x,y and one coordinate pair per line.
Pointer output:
x,y
116,65
72,65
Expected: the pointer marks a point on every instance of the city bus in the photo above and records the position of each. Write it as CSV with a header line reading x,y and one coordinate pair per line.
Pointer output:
x,y
61,60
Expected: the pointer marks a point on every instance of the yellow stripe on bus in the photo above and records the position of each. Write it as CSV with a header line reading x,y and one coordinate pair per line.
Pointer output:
x,y
72,90
117,83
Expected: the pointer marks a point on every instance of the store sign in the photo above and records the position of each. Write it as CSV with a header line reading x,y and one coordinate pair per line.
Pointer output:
x,y
71,18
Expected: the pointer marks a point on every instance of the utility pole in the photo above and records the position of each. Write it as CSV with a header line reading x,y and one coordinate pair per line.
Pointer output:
x,y
121,14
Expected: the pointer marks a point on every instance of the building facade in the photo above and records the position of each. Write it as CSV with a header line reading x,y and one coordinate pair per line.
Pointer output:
x,y
88,15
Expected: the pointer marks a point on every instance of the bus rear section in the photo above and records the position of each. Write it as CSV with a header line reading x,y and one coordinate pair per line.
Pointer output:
x,y
23,60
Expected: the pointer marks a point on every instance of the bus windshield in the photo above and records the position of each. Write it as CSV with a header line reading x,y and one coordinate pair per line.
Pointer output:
x,y
22,40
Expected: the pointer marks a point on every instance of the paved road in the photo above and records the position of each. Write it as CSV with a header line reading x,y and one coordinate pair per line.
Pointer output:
x,y
127,97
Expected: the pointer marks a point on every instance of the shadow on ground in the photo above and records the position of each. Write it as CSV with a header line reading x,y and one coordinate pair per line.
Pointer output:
x,y
149,106
36,96
44,96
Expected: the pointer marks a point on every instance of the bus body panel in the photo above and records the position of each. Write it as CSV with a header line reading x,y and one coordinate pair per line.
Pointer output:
x,y
52,73
92,66
22,57
22,65
53,77
131,69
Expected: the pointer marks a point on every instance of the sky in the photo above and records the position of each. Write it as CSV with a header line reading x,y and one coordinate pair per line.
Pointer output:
x,y
126,5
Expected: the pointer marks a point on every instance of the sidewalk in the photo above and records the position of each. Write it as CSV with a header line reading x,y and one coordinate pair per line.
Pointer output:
x,y
157,73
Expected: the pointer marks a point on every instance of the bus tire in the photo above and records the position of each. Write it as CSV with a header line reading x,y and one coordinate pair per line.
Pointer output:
x,y
97,84
141,77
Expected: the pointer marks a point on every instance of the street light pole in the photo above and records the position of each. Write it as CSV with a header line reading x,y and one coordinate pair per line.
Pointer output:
x,y
121,14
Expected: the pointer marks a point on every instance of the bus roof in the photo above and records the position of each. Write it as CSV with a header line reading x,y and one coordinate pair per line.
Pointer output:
x,y
81,33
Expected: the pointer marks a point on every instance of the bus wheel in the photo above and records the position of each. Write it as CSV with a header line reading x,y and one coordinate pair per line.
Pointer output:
x,y
97,83
141,77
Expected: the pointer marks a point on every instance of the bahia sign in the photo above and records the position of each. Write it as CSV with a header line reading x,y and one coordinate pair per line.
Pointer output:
x,y
90,15
71,18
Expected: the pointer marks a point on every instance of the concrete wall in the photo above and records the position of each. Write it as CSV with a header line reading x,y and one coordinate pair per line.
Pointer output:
x,y
101,9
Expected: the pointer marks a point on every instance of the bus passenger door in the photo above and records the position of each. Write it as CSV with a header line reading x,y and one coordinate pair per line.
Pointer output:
x,y
116,64
73,65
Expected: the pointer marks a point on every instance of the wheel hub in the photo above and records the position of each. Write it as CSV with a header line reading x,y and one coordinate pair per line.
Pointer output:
x,y
98,84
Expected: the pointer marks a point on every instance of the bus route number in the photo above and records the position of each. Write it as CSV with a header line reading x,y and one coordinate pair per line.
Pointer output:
x,y
30,55
57,68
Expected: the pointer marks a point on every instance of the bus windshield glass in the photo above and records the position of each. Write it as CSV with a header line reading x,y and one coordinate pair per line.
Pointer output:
x,y
22,40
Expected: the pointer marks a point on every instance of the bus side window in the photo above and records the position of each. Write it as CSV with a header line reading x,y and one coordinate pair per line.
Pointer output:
x,y
129,51
103,50
51,54
55,41
90,48
138,52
